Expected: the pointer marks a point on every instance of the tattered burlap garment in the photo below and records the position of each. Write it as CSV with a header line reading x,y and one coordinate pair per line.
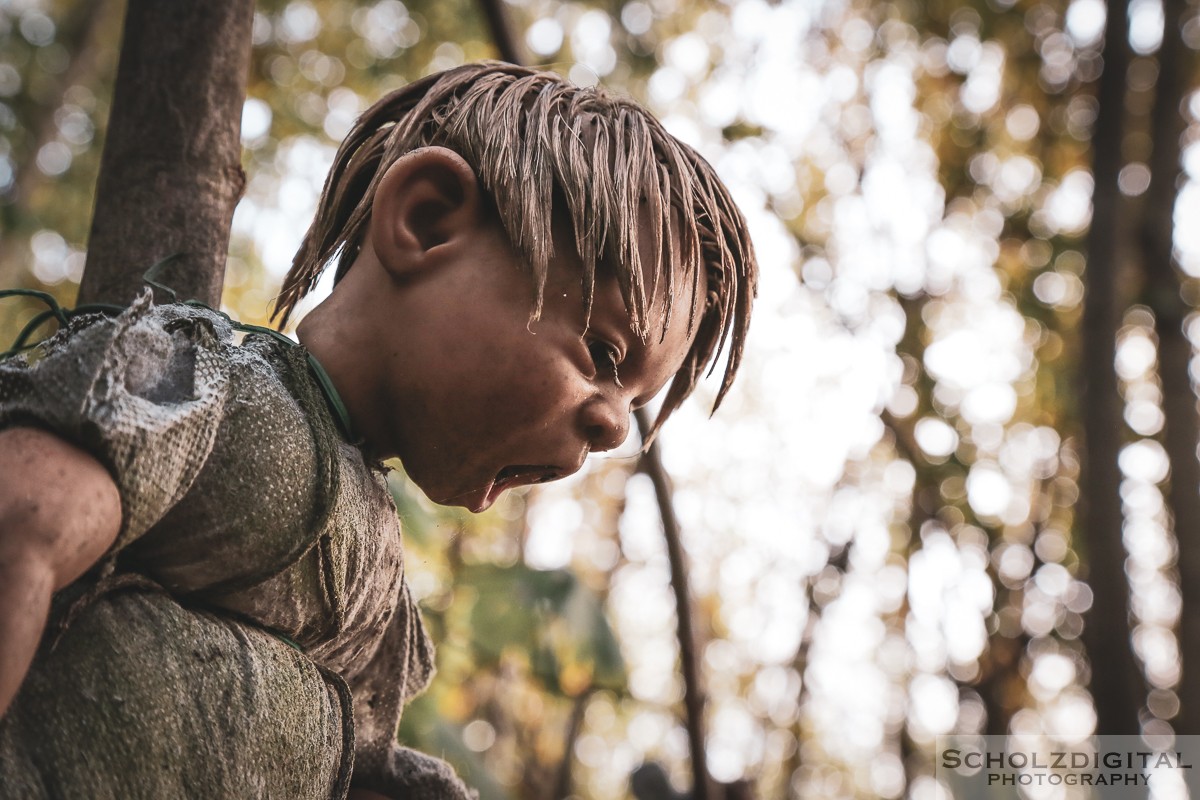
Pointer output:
x,y
257,580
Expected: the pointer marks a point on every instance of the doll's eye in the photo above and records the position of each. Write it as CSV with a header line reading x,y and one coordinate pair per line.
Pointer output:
x,y
605,358
603,354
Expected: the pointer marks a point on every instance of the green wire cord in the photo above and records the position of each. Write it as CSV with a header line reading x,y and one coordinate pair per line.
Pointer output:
x,y
53,311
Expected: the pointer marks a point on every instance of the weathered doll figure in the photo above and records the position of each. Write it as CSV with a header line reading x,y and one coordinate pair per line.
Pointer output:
x,y
202,587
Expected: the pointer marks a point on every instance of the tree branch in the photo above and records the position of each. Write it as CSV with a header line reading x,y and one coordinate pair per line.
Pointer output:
x,y
502,33
651,464
563,779
693,691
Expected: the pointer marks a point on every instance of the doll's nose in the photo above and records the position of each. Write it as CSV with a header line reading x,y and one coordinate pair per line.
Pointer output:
x,y
605,422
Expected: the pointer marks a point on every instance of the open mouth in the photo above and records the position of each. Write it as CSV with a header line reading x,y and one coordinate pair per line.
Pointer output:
x,y
523,474
518,475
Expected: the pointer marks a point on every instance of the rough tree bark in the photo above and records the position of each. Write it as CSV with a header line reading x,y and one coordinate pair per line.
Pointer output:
x,y
1117,686
1162,293
171,173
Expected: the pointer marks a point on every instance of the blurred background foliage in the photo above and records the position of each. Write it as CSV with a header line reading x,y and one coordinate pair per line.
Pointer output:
x,y
882,522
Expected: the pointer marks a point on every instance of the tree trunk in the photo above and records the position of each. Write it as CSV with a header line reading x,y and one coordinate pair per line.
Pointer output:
x,y
503,37
694,700
171,172
1117,686
1174,349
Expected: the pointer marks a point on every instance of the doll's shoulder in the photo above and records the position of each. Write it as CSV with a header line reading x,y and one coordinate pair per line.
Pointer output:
x,y
268,485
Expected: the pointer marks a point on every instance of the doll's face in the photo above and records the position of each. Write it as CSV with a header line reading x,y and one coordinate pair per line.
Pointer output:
x,y
428,340
488,400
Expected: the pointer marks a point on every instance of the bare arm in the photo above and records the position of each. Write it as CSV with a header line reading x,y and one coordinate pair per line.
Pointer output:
x,y
59,513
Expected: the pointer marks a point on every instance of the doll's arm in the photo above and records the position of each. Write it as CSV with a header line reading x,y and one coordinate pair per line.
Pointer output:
x,y
59,513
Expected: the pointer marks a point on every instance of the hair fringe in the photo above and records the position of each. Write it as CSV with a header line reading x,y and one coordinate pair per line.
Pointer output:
x,y
541,146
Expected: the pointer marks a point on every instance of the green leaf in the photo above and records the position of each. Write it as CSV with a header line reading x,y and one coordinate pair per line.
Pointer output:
x,y
551,617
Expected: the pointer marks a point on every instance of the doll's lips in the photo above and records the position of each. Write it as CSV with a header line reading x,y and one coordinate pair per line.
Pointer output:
x,y
517,475
525,474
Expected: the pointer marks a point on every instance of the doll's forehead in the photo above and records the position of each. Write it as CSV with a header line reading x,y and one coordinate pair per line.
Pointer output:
x,y
672,281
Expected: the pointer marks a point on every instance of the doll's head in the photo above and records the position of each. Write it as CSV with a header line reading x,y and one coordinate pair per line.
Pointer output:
x,y
604,224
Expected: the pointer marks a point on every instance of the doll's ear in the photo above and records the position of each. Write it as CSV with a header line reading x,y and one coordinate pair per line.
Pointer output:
x,y
427,201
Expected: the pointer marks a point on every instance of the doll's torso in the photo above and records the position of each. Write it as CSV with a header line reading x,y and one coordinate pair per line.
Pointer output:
x,y
253,611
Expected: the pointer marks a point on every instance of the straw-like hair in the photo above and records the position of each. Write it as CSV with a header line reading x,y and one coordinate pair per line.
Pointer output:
x,y
536,141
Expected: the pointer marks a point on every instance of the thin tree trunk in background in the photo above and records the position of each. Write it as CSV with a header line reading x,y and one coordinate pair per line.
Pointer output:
x,y
171,172
502,33
1162,292
689,664
694,699
1116,685
564,779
